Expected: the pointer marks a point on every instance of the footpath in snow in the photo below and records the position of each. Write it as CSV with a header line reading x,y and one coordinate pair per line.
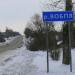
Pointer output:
x,y
24,62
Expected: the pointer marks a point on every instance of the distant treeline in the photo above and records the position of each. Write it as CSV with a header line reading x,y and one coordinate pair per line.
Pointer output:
x,y
8,33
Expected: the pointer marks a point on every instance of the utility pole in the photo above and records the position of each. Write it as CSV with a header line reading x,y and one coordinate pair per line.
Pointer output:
x,y
69,8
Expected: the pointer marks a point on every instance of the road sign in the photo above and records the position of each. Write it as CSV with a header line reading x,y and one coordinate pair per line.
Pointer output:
x,y
58,16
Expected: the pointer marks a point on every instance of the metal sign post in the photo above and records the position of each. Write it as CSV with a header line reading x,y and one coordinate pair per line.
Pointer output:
x,y
47,47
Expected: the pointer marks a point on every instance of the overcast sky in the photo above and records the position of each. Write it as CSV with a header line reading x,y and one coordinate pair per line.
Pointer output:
x,y
15,13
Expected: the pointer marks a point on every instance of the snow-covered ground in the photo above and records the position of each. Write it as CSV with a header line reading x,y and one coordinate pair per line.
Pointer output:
x,y
17,62
24,62
55,67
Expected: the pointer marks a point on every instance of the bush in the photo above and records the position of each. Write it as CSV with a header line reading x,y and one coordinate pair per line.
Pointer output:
x,y
55,54
38,42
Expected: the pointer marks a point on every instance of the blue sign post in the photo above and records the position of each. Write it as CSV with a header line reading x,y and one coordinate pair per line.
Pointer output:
x,y
57,16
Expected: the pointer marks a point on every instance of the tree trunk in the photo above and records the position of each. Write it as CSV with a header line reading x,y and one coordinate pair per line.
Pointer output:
x,y
65,45
66,56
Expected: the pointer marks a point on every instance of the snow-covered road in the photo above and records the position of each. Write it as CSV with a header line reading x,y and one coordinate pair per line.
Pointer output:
x,y
17,62
12,44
